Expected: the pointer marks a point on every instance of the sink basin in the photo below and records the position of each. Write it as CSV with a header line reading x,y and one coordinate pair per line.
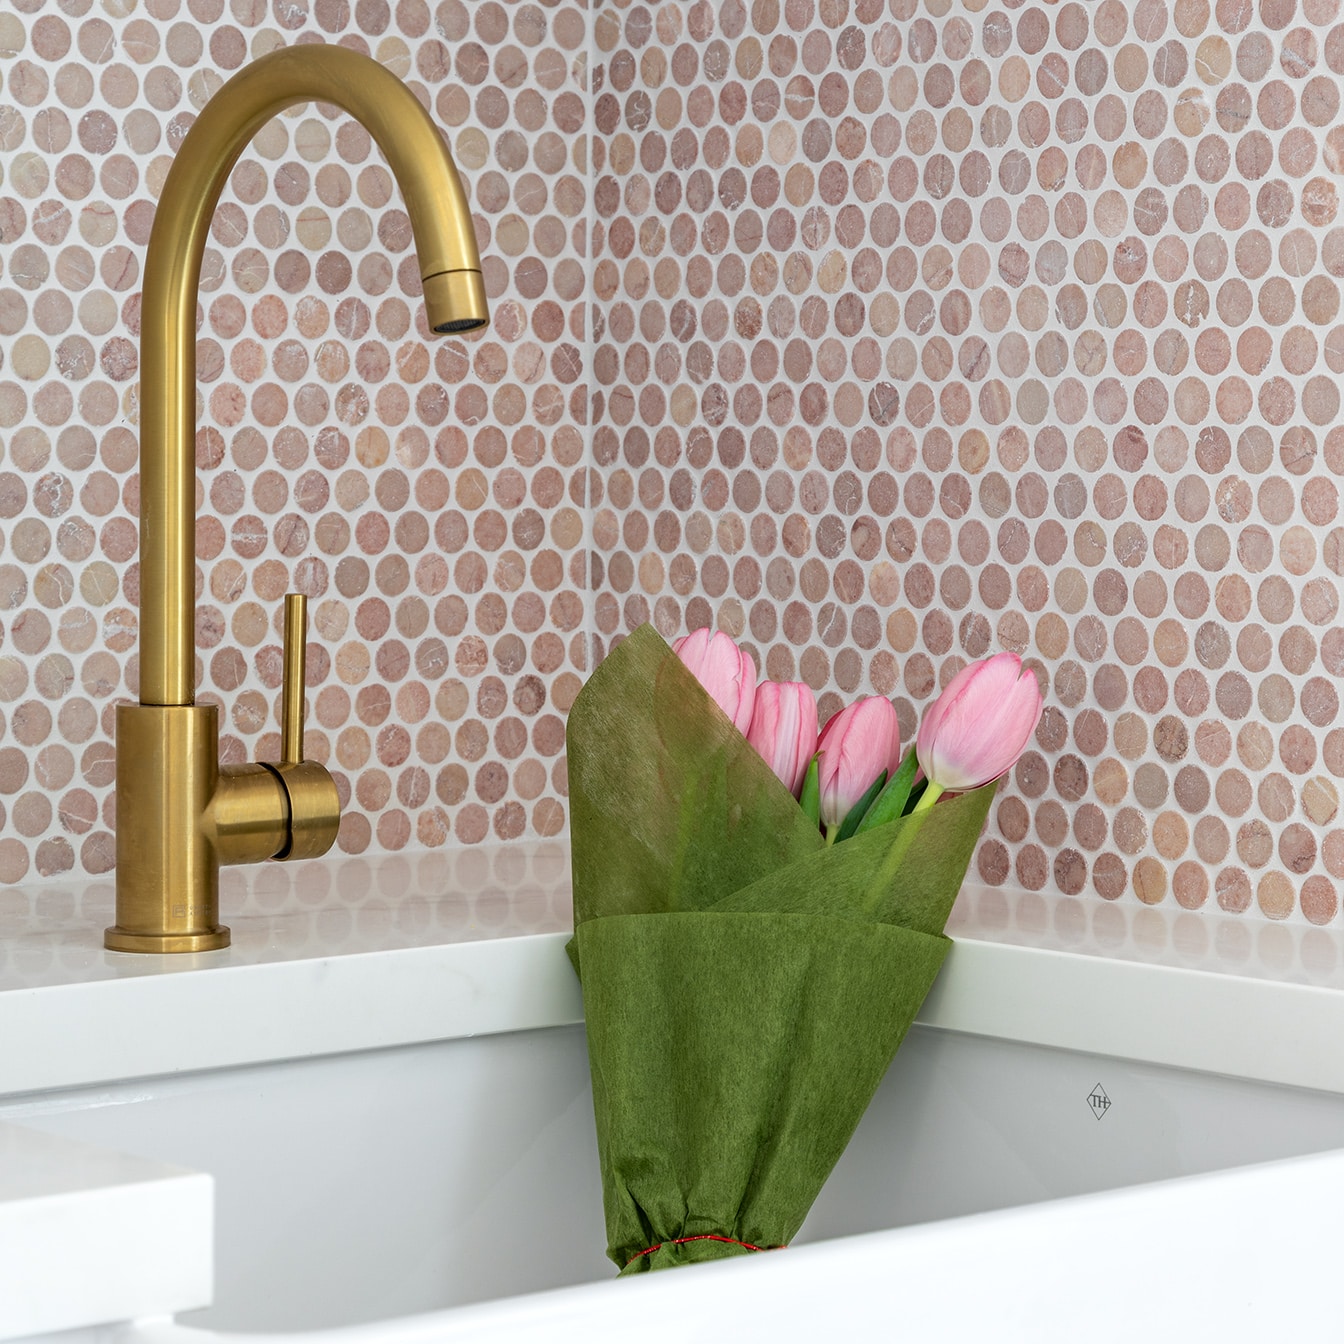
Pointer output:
x,y
373,1187
1095,1125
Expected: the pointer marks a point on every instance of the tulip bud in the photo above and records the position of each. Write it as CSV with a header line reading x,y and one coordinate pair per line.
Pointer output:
x,y
978,727
724,670
784,729
855,747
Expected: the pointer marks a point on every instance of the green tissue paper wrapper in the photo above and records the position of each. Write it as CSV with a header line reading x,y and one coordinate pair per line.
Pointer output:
x,y
745,986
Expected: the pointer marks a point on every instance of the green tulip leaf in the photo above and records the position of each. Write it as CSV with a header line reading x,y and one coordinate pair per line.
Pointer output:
x,y
856,813
890,803
810,799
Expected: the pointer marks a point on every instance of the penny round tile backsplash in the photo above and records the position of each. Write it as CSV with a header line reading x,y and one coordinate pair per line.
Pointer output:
x,y
427,494
927,330
882,335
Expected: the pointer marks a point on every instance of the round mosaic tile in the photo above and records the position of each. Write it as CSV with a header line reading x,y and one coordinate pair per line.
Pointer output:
x,y
924,330
427,495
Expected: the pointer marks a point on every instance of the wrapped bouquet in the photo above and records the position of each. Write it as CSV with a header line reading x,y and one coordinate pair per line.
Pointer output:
x,y
759,914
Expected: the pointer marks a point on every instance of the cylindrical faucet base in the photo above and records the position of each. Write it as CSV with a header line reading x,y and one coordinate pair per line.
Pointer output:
x,y
167,870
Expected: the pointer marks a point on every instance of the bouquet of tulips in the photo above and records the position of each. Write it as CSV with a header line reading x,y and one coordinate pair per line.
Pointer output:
x,y
759,913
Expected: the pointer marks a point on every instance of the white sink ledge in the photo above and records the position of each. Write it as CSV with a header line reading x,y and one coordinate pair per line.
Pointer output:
x,y
90,1235
352,953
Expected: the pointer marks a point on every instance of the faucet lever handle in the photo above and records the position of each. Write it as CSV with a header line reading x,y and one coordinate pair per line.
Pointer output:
x,y
292,685
313,802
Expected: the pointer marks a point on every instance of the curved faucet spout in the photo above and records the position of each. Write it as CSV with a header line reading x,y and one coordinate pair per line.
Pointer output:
x,y
179,814
450,270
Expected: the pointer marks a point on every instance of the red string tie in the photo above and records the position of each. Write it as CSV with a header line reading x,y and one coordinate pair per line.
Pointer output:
x,y
702,1236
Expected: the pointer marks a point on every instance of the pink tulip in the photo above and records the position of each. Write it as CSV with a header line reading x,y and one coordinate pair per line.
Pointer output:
x,y
856,746
979,725
723,670
784,729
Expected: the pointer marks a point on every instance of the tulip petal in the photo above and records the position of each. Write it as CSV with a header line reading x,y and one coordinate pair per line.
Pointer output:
x,y
725,671
783,729
981,724
857,744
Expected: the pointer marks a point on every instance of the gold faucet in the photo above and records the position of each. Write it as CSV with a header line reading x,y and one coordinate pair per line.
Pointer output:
x,y
179,813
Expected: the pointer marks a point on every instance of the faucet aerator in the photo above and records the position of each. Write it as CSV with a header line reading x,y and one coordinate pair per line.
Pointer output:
x,y
455,301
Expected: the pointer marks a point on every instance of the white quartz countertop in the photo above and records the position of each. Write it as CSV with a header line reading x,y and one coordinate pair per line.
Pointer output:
x,y
360,953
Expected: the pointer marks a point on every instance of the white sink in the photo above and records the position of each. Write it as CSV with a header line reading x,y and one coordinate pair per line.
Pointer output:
x,y
384,1080
370,1186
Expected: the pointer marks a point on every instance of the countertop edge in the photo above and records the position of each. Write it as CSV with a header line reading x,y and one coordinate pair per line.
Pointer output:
x,y
95,1032
1239,1026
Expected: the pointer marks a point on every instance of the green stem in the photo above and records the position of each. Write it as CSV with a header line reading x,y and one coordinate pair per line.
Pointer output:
x,y
892,860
